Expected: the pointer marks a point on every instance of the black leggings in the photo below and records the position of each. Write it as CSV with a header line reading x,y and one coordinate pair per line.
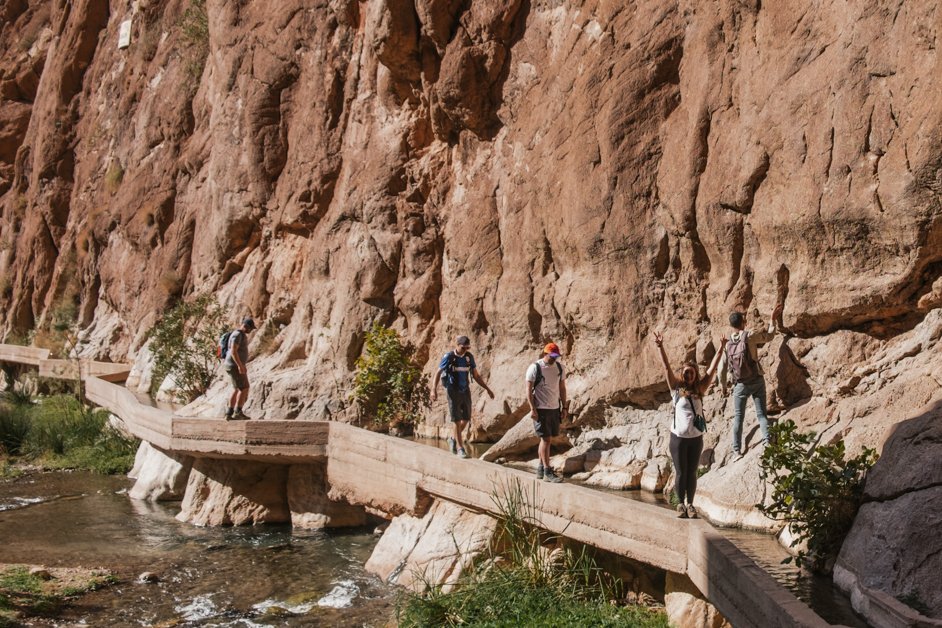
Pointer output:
x,y
686,455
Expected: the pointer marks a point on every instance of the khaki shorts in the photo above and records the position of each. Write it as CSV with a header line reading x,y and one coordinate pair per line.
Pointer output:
x,y
240,381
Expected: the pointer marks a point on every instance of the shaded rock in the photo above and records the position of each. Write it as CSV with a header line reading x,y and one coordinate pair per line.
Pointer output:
x,y
892,547
727,495
235,492
159,475
310,507
40,572
520,439
148,577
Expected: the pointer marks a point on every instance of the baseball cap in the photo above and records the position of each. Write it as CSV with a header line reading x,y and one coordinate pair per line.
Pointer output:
x,y
552,350
248,322
463,341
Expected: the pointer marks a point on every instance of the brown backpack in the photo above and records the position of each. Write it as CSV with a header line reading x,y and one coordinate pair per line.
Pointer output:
x,y
742,368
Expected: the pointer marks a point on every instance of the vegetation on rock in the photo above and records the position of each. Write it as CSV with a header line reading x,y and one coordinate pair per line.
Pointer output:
x,y
59,432
389,385
527,582
815,490
184,347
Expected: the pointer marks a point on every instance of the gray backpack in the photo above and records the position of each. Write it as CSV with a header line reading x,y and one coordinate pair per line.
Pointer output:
x,y
742,368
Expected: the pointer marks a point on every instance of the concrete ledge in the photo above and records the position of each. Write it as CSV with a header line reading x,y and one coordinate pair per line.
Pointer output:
x,y
880,608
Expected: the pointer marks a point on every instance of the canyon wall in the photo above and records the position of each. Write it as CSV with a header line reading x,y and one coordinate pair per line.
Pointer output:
x,y
515,170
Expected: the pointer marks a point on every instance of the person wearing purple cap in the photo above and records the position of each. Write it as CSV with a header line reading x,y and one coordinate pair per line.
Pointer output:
x,y
456,372
236,357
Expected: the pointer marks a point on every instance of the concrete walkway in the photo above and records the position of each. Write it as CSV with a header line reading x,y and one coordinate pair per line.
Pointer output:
x,y
399,476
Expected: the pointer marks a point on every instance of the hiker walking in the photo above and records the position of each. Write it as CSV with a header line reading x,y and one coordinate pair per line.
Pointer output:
x,y
237,354
456,371
740,363
546,393
688,423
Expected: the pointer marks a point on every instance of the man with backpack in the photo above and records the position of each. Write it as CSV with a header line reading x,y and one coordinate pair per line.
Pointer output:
x,y
234,348
740,362
456,371
546,393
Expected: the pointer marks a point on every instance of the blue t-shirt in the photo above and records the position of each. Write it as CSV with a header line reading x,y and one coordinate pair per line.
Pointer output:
x,y
456,377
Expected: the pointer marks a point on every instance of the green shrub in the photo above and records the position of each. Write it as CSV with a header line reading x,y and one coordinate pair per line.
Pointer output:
x,y
14,428
815,490
523,584
184,346
389,386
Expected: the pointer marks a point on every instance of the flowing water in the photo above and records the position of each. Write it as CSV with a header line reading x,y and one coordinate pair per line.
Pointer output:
x,y
246,576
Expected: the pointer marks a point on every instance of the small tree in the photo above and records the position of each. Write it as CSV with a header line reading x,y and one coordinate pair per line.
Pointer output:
x,y
389,385
815,490
184,346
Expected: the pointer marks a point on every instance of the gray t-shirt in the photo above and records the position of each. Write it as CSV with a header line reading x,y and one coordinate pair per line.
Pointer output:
x,y
546,394
238,341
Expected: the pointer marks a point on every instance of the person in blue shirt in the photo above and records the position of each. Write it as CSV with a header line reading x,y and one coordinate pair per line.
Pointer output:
x,y
455,372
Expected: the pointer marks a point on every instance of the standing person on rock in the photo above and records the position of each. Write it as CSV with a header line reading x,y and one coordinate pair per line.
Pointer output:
x,y
236,357
546,393
688,423
740,364
456,371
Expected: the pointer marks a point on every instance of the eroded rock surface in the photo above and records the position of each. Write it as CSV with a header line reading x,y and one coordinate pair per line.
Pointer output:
x,y
159,475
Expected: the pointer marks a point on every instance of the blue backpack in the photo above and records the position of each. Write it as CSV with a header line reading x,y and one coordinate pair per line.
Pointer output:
x,y
449,378
222,350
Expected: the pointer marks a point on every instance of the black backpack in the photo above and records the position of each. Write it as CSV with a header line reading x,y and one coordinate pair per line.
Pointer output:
x,y
742,368
448,374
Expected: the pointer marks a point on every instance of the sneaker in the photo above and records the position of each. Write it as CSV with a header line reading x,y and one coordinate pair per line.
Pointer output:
x,y
682,511
462,453
691,512
238,415
738,455
550,476
229,413
539,472
452,445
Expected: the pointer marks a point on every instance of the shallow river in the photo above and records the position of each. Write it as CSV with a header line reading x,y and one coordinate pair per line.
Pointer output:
x,y
247,576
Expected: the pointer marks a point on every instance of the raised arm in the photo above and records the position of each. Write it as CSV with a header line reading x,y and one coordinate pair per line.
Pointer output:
x,y
711,372
668,372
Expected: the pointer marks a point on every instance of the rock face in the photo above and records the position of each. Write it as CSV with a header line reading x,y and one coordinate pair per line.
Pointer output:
x,y
686,606
310,507
894,547
235,492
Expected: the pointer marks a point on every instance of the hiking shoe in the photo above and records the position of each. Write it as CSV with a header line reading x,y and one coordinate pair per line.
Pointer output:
x,y
229,414
452,445
238,415
550,476
738,455
462,453
692,512
682,511
539,472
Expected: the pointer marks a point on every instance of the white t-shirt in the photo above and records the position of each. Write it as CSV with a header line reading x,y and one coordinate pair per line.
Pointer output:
x,y
684,409
546,394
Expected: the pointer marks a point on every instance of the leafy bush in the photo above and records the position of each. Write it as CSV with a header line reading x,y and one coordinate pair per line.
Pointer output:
x,y
389,385
184,346
524,584
815,490
14,428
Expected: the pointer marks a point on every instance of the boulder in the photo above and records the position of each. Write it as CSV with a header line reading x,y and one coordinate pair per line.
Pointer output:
x,y
894,547
159,475
727,496
519,440
434,550
687,608
235,492
310,507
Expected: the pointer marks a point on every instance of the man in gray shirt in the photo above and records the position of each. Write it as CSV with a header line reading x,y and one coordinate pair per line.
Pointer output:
x,y
236,357
546,393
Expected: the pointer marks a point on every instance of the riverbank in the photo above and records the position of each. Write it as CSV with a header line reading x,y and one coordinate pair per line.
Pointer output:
x,y
38,591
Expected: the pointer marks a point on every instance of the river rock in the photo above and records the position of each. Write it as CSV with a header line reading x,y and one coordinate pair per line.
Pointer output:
x,y
309,504
893,547
431,551
686,606
235,492
159,475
